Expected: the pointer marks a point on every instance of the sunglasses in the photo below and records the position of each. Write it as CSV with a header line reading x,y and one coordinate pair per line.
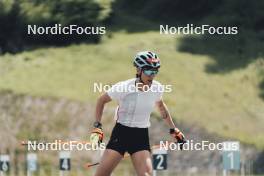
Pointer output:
x,y
150,72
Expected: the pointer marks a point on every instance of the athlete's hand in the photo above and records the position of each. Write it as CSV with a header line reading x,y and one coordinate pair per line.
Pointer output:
x,y
178,135
97,136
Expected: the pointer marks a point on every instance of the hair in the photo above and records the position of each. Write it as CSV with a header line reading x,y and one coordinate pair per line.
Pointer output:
x,y
137,74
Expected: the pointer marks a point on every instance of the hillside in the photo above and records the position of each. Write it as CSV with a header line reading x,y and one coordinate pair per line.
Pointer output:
x,y
227,104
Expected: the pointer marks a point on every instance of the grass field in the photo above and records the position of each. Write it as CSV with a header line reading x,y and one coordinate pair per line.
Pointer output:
x,y
227,104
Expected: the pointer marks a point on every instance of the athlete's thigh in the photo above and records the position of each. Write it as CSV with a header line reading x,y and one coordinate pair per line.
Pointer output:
x,y
108,162
142,162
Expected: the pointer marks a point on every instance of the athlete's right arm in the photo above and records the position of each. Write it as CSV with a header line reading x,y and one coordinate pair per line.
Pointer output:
x,y
97,134
101,101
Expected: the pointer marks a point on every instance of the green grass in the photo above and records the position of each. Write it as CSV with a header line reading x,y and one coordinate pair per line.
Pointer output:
x,y
226,104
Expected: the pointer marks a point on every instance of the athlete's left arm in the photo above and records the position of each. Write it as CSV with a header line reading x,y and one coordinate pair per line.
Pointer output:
x,y
175,132
164,112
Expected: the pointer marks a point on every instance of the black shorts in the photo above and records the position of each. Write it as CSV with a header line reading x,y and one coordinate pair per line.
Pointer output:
x,y
128,139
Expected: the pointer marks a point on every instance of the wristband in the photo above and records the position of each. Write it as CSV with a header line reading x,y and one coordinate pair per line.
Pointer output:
x,y
173,130
97,125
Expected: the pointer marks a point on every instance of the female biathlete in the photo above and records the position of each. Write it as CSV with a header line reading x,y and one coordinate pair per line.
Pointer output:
x,y
136,99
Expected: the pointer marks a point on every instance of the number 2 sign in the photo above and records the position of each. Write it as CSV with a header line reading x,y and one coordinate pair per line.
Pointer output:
x,y
159,158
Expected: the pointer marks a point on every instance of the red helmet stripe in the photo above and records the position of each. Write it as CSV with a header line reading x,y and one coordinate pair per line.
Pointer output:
x,y
151,60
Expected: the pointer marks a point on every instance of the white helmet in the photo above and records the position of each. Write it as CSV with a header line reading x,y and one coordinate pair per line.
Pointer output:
x,y
146,59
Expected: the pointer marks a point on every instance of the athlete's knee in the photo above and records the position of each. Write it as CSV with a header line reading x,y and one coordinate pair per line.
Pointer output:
x,y
148,172
149,166
102,173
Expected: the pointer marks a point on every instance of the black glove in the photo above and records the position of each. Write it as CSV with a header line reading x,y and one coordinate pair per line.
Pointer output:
x,y
179,136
